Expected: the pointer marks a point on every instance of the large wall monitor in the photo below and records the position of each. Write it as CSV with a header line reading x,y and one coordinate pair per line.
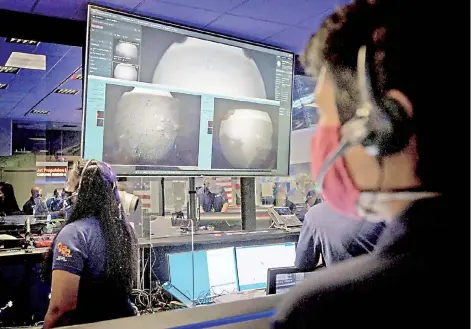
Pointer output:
x,y
162,99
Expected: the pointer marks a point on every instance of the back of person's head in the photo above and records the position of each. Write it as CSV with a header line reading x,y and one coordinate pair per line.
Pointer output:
x,y
94,182
35,191
9,205
392,34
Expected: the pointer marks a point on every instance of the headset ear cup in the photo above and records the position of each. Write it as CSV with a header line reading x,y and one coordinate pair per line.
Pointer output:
x,y
393,130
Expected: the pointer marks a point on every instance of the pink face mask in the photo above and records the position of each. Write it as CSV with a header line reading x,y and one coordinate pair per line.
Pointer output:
x,y
337,187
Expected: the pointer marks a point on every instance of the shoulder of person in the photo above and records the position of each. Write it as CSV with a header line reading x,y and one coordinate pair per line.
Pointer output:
x,y
329,292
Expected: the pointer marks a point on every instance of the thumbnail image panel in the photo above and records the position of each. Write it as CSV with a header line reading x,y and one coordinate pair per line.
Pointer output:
x,y
148,127
245,135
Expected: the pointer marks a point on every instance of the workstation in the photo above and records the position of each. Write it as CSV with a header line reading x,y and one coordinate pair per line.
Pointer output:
x,y
196,196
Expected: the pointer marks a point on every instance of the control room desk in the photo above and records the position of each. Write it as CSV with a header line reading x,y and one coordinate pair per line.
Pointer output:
x,y
205,240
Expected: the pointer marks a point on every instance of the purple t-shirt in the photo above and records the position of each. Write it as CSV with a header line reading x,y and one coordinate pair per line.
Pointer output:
x,y
80,249
73,245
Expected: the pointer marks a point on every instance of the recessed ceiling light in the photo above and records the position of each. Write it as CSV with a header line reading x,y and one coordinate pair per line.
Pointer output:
x,y
27,61
39,112
66,91
3,85
22,41
8,69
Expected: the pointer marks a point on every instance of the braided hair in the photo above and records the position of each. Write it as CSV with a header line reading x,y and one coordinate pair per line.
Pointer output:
x,y
98,197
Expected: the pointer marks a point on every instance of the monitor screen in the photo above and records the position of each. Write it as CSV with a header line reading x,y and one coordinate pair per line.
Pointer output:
x,y
214,273
163,99
285,281
253,263
283,211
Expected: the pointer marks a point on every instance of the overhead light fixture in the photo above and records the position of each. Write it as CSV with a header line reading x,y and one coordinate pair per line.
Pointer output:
x,y
38,139
22,41
27,61
39,112
7,69
3,85
66,91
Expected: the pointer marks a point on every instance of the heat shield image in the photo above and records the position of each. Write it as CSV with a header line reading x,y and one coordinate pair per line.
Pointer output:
x,y
126,50
212,68
150,127
125,72
245,135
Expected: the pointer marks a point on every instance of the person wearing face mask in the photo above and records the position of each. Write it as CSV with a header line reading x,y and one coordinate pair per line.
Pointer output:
x,y
212,197
56,202
375,155
35,205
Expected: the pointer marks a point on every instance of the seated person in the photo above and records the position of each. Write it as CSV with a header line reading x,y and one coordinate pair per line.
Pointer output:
x,y
35,204
334,236
8,204
379,151
55,203
212,197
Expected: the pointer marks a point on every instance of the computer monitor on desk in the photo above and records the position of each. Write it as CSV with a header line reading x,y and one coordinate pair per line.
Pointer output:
x,y
281,279
204,274
253,263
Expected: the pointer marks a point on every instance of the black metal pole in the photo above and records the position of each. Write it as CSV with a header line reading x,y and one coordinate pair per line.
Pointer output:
x,y
248,211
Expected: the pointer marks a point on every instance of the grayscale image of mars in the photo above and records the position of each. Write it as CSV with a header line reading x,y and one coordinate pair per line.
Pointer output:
x,y
245,135
150,127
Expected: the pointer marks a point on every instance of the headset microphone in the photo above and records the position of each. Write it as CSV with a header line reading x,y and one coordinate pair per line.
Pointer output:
x,y
337,153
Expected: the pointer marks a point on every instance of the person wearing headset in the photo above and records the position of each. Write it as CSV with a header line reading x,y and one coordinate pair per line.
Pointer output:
x,y
374,155
92,258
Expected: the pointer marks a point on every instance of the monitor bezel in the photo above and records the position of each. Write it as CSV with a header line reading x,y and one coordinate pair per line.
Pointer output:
x,y
184,173
273,272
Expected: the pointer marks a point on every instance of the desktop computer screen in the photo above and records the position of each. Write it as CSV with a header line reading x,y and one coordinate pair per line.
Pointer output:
x,y
253,263
163,99
203,274
285,281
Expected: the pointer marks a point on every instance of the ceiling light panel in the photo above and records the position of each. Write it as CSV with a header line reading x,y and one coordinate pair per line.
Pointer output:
x,y
40,112
27,61
7,69
66,91
22,41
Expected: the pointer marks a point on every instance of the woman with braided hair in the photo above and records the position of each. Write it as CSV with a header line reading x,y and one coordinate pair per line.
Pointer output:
x,y
92,259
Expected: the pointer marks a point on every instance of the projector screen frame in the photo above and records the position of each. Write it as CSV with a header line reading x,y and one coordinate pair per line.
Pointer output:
x,y
184,173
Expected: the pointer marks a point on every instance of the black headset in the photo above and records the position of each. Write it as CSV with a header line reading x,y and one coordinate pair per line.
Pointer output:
x,y
384,128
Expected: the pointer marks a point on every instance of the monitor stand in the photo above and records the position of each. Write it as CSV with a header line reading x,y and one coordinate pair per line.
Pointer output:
x,y
193,209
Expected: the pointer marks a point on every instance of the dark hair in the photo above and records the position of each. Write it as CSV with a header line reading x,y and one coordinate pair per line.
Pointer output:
x,y
391,32
98,198
9,205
